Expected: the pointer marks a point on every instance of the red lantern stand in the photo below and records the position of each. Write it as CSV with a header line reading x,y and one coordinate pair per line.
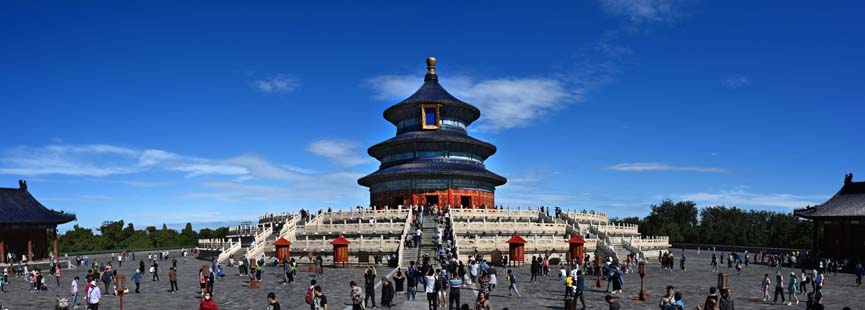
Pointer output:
x,y
517,250
121,288
576,246
722,281
252,282
283,249
642,296
340,251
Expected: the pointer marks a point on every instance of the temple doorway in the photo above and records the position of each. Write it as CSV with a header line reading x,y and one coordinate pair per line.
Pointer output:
x,y
432,200
466,201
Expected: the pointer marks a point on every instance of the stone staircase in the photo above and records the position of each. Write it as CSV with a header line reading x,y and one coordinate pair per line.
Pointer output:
x,y
429,233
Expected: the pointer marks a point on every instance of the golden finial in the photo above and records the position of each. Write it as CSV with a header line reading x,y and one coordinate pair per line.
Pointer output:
x,y
431,65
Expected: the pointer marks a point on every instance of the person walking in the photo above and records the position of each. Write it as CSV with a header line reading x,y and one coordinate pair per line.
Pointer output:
x,y
155,270
580,288
860,272
512,288
399,279
387,292
779,287
74,290
791,289
536,268
136,278
93,296
172,278
765,287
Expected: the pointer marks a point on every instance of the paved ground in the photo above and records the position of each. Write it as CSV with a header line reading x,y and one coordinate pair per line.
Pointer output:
x,y
232,293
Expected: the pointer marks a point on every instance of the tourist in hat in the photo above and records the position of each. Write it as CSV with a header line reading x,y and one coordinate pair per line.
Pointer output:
x,y
93,296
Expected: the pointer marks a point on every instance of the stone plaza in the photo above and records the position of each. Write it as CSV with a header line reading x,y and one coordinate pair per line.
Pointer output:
x,y
233,292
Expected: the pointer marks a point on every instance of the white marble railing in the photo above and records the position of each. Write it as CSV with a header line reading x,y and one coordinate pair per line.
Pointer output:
x,y
361,244
405,230
289,229
486,244
650,243
364,214
509,228
233,248
212,244
588,217
260,242
357,228
618,229
492,214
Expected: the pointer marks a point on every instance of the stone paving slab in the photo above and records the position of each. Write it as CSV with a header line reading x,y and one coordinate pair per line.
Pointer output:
x,y
232,293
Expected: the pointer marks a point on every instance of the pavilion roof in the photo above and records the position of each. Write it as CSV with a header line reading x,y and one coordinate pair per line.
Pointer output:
x,y
340,240
516,239
282,241
577,239
849,201
18,207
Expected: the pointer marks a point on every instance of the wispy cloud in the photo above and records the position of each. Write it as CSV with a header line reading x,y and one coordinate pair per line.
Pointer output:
x,y
646,11
342,152
735,81
276,84
642,167
241,178
506,102
743,198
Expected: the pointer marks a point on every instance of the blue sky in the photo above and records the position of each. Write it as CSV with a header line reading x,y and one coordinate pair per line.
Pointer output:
x,y
206,112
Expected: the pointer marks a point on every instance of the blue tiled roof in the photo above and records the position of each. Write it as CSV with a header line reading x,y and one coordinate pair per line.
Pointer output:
x,y
17,206
419,169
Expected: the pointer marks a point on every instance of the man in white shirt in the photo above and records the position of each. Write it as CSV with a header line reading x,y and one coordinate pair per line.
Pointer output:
x,y
93,296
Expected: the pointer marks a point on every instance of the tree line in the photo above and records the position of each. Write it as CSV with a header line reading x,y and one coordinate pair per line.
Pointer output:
x,y
683,222
113,235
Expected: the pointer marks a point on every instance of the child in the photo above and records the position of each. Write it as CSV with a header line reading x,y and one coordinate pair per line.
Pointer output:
x,y
512,279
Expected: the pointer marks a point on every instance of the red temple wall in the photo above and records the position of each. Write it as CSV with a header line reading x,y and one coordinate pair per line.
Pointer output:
x,y
452,197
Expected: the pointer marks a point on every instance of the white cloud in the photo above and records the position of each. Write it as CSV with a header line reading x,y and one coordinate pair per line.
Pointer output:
x,y
106,160
505,102
645,11
342,152
743,198
277,84
735,81
641,167
244,177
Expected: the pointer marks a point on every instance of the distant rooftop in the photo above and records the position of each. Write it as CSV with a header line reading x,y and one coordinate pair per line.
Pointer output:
x,y
849,201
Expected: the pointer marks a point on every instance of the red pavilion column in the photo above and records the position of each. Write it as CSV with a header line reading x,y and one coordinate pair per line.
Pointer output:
x,y
56,256
30,249
450,198
2,252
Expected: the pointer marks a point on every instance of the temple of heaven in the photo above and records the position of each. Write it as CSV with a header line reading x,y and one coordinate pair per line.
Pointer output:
x,y
432,160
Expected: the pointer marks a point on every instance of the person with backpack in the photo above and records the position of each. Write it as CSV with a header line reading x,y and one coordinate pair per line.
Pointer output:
x,y
310,293
319,301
